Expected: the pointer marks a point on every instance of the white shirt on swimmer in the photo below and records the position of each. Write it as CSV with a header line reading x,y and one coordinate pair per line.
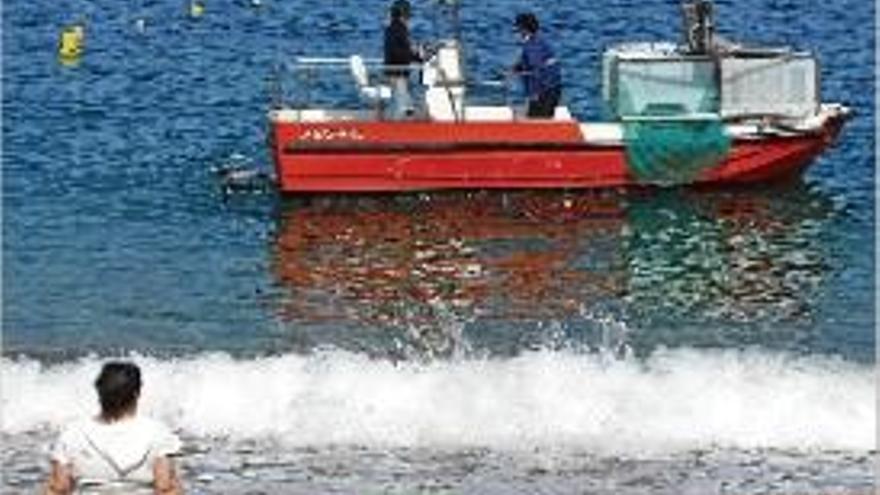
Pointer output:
x,y
116,457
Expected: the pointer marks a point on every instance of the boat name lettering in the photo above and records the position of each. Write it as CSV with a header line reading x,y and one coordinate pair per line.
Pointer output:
x,y
331,134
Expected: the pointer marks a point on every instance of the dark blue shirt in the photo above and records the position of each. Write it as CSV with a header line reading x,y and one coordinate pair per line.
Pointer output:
x,y
539,67
398,50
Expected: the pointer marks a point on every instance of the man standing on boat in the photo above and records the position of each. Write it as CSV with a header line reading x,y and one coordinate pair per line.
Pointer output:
x,y
399,54
542,76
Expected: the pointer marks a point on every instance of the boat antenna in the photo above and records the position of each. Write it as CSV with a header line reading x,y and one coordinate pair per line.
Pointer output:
x,y
699,25
455,17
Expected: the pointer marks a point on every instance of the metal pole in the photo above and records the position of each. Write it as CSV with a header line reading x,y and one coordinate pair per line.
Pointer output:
x,y
456,22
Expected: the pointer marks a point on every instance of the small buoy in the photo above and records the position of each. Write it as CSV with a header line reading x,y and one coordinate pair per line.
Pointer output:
x,y
196,8
70,46
141,25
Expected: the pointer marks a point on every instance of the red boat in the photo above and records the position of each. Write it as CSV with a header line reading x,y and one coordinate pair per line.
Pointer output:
x,y
693,113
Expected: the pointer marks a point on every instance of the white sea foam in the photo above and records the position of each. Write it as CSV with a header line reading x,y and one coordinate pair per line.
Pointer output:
x,y
675,400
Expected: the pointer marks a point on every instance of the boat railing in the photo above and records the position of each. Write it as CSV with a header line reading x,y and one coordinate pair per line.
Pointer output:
x,y
329,82
302,83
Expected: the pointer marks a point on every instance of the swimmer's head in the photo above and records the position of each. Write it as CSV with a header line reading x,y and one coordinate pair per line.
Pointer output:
x,y
119,387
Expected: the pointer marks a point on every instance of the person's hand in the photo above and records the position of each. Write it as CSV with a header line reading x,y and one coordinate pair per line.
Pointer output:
x,y
60,480
504,74
426,51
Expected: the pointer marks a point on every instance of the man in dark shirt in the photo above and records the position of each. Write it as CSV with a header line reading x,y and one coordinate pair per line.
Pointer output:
x,y
541,74
399,54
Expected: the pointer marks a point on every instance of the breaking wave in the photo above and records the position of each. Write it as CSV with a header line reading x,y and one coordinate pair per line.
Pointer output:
x,y
675,400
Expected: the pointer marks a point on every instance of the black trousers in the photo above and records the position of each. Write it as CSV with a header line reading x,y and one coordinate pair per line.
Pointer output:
x,y
545,106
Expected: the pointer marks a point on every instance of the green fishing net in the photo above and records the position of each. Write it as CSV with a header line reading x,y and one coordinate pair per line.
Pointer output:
x,y
670,152
671,127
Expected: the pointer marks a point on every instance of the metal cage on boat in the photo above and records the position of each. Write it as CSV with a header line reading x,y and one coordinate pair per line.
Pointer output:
x,y
638,77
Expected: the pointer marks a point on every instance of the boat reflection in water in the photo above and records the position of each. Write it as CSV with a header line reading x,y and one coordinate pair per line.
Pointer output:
x,y
512,268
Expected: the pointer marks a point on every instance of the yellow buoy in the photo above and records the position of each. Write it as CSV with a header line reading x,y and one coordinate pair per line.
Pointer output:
x,y
72,41
196,8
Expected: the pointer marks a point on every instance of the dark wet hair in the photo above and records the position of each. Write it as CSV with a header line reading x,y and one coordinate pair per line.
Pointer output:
x,y
119,386
401,9
527,22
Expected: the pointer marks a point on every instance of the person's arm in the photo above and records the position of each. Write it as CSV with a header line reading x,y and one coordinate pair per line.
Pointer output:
x,y
520,65
165,481
60,480
415,53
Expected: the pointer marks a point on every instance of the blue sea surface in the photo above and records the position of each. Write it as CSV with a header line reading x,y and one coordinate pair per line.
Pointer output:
x,y
120,240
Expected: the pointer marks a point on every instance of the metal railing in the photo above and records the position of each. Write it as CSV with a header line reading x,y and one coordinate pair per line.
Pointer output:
x,y
328,82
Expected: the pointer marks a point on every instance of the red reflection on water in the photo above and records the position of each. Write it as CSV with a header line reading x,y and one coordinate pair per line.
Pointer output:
x,y
548,255
497,255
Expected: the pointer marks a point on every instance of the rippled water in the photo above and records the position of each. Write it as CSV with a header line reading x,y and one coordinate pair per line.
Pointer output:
x,y
673,341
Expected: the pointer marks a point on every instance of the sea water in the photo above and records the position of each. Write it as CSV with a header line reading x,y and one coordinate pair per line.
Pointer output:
x,y
671,341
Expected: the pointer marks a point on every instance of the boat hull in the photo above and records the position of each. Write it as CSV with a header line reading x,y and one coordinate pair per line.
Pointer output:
x,y
411,156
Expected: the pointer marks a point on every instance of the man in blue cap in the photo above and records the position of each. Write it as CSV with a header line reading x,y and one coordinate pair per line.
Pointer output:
x,y
541,74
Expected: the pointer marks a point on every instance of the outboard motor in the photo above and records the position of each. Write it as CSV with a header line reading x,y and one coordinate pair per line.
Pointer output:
x,y
699,25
